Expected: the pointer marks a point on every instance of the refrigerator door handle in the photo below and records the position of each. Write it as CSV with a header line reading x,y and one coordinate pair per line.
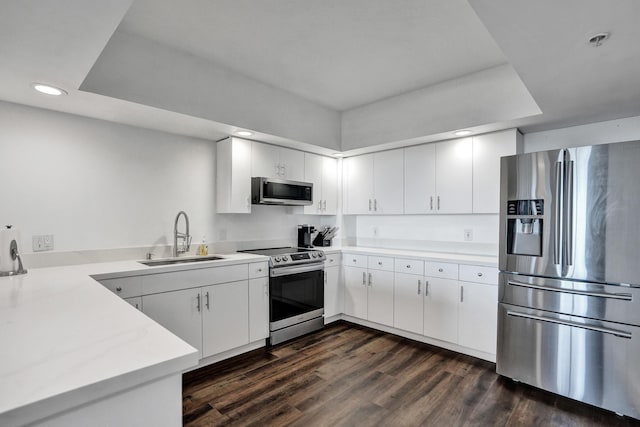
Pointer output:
x,y
624,297
557,236
568,213
617,333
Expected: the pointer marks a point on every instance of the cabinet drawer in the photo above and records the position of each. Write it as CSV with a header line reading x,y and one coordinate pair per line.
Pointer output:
x,y
258,269
332,260
380,263
353,260
409,266
441,269
479,274
124,287
165,282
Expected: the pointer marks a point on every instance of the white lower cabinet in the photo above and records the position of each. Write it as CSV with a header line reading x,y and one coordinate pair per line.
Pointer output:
x,y
355,291
258,309
441,309
408,308
478,317
333,292
380,297
225,317
179,312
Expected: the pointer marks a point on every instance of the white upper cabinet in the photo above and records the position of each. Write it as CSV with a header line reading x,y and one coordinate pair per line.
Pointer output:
x,y
420,179
438,177
321,171
358,184
276,162
373,183
233,176
454,176
487,150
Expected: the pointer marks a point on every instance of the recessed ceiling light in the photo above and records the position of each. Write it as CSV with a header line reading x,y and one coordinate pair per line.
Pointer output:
x,y
465,132
48,89
244,133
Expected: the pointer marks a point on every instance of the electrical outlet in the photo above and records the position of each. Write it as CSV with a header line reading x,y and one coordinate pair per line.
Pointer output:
x,y
42,242
468,235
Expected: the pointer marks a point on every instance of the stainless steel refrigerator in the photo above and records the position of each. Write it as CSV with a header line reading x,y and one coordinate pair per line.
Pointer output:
x,y
569,296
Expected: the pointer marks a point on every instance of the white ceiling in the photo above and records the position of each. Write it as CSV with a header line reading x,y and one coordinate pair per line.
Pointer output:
x,y
341,54
338,53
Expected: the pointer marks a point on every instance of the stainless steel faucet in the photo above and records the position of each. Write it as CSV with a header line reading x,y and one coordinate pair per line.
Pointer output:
x,y
185,237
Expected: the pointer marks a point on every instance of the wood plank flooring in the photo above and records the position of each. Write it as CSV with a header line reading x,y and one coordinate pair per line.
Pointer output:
x,y
348,375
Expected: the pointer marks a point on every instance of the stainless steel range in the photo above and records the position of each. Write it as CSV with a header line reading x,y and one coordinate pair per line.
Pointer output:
x,y
296,291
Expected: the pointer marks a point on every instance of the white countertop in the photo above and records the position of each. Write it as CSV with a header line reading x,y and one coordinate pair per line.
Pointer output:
x,y
484,260
66,340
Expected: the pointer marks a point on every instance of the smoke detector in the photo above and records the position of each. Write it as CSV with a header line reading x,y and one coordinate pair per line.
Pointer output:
x,y
597,39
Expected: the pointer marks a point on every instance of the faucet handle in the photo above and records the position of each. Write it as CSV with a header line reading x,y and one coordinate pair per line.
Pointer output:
x,y
187,242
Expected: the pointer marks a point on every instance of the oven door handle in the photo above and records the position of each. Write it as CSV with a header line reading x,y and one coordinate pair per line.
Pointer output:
x,y
286,271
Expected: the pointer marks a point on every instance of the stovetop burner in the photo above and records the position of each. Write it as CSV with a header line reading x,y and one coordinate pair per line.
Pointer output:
x,y
282,257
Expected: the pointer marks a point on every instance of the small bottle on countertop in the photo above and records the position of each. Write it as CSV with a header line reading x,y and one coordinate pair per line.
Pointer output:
x,y
204,249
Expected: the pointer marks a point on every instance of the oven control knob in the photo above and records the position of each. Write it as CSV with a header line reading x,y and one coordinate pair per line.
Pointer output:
x,y
285,258
277,259
314,255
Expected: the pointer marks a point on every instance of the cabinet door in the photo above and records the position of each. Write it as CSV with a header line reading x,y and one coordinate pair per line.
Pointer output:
x,y
313,165
407,302
233,176
454,176
265,160
380,297
441,309
292,164
358,183
329,186
258,309
225,317
355,292
487,150
179,312
420,179
333,292
478,316
388,180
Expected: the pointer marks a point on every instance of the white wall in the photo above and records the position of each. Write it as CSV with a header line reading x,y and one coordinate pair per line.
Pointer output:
x,y
443,233
97,185
620,130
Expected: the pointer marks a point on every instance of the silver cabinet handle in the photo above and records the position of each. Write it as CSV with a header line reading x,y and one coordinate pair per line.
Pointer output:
x,y
418,287
354,260
426,288
624,297
324,205
408,266
375,205
119,289
266,290
431,203
364,278
479,274
330,259
198,302
379,262
319,205
248,202
137,308
440,270
621,334
369,205
438,202
284,169
207,303
461,293
369,279
259,270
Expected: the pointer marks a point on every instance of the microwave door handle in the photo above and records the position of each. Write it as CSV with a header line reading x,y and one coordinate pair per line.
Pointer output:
x,y
557,229
568,213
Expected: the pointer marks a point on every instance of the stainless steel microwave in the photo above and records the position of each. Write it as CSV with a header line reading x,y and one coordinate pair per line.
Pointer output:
x,y
271,191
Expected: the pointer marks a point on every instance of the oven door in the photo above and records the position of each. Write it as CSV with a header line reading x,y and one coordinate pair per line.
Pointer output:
x,y
296,294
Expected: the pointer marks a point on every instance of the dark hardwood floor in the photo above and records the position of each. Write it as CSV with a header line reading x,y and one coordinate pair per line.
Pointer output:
x,y
348,375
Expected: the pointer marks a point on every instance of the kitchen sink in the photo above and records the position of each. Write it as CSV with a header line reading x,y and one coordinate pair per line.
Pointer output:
x,y
171,261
